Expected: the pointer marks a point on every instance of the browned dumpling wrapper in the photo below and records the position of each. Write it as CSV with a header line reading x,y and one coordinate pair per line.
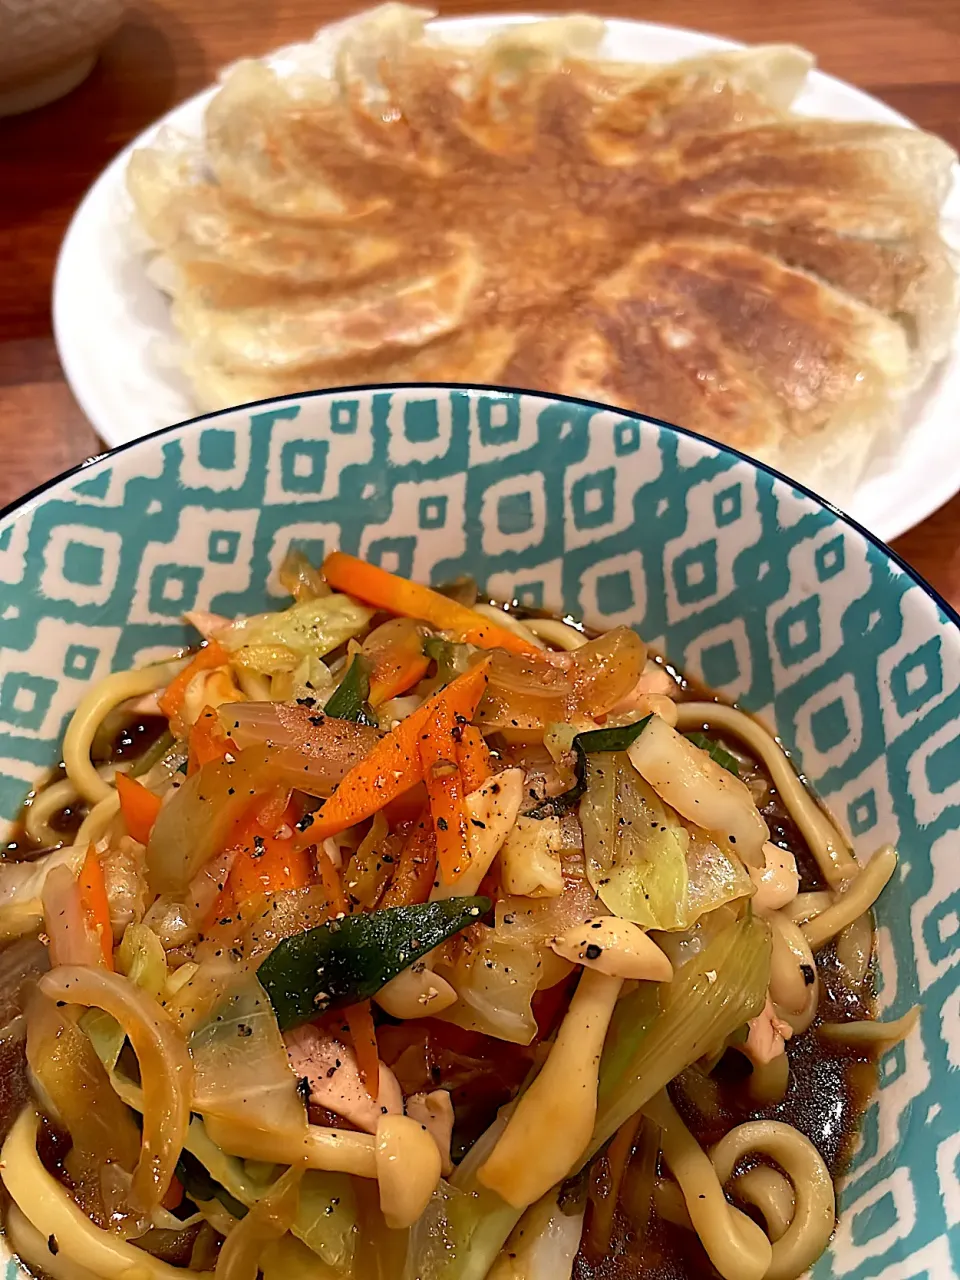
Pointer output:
x,y
669,239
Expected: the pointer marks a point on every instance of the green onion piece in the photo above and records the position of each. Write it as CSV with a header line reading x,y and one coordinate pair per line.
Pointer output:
x,y
584,744
152,755
349,959
716,752
199,1186
349,701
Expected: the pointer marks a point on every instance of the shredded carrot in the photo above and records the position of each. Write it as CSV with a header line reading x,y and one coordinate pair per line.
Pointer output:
x,y
441,773
171,700
394,764
272,811
418,866
399,595
208,741
174,1195
364,1036
138,805
93,900
407,807
330,879
398,669
473,757
268,863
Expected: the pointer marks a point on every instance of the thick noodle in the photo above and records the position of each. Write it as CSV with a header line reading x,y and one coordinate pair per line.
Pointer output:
x,y
858,896
826,843
736,1246
102,698
815,1211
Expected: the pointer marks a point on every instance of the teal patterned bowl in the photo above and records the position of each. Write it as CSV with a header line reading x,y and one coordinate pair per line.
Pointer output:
x,y
761,590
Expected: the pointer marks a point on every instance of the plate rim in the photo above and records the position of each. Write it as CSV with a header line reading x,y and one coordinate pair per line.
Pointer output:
x,y
893,522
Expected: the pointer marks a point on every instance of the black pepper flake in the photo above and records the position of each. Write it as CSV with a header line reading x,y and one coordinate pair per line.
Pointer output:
x,y
809,974
593,952
231,791
303,1088
475,822
305,822
456,733
52,1245
244,1030
259,846
306,702
442,824
316,721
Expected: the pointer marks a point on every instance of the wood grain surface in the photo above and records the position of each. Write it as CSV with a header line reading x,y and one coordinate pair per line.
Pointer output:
x,y
905,52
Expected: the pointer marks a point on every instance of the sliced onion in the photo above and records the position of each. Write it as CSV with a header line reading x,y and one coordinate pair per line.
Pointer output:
x,y
269,1219
165,1068
72,941
525,693
198,820
319,750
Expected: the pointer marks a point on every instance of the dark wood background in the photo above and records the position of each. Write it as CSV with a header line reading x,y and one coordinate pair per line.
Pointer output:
x,y
906,52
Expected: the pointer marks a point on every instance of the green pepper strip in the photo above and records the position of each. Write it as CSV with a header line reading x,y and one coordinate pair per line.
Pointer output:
x,y
349,959
349,701
583,745
716,752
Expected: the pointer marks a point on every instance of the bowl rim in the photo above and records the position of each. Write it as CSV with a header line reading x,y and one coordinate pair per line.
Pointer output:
x,y
31,497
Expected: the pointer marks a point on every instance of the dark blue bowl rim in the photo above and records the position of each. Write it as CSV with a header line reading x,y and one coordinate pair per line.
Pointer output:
x,y
491,389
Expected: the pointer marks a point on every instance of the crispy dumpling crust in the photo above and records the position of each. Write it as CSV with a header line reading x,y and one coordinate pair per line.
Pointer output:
x,y
669,239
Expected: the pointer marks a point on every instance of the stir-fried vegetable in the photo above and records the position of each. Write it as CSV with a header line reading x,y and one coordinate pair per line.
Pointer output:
x,y
395,652
711,996
311,627
323,961
411,600
636,848
240,1068
75,1085
526,693
350,699
582,744
495,981
171,700
22,885
394,765
164,1068
350,959
138,805
699,789
716,751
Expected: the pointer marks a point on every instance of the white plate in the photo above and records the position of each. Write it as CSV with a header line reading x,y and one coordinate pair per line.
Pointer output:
x,y
112,325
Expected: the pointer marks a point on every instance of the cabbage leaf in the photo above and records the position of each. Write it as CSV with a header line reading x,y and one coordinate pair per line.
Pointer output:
x,y
310,628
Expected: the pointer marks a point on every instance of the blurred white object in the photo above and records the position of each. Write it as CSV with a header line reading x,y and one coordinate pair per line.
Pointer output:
x,y
47,47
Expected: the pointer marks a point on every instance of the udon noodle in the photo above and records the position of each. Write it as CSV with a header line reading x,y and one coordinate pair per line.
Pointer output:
x,y
421,939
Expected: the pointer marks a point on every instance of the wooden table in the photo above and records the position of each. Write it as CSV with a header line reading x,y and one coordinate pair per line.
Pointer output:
x,y
906,52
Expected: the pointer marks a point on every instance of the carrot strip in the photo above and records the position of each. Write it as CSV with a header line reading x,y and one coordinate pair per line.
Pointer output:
x,y
399,595
441,774
207,741
398,670
364,1036
171,700
473,757
174,1195
417,868
268,863
96,908
138,805
394,764
330,879
407,807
